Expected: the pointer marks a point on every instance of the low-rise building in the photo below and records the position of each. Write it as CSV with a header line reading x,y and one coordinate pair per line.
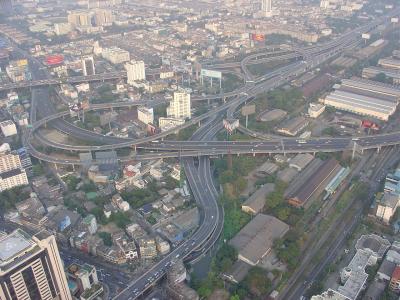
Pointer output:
x,y
90,223
8,128
395,280
315,110
83,281
163,246
300,161
147,248
293,126
386,206
255,203
169,123
120,203
256,239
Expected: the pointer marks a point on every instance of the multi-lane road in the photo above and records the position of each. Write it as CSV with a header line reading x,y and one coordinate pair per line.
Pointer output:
x,y
199,178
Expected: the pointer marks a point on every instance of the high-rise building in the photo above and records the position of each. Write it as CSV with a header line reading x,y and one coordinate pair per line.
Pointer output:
x,y
103,17
135,71
5,6
9,161
31,268
266,8
102,3
324,4
180,106
79,18
115,55
145,115
88,66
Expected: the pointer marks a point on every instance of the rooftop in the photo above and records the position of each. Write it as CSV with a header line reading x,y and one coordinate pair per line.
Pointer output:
x,y
374,244
256,201
14,244
361,101
357,276
396,273
330,295
255,240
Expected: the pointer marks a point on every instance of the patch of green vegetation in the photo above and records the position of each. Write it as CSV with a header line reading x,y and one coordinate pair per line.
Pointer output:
x,y
264,68
106,237
256,283
120,219
9,198
139,197
288,249
72,182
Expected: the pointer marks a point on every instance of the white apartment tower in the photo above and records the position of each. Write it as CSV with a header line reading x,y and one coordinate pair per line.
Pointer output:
x,y
31,268
180,106
324,4
266,8
9,161
135,71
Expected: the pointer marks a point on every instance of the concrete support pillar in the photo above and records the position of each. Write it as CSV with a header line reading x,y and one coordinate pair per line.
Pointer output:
x,y
254,154
55,166
378,150
73,168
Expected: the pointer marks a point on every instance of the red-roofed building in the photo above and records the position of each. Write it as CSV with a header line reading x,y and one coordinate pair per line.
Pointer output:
x,y
395,280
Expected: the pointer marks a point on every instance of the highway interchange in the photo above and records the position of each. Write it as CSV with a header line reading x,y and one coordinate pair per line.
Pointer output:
x,y
202,145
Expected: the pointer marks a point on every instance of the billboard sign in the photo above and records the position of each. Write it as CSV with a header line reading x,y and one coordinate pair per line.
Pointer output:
x,y
248,110
22,62
75,107
257,37
369,125
366,36
230,124
394,20
211,73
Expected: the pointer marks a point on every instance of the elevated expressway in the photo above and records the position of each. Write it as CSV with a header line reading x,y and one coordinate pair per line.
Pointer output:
x,y
201,188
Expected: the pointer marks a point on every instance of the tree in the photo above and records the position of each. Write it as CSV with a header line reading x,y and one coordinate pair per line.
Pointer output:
x,y
72,182
225,258
151,220
99,214
106,237
37,170
171,183
120,219
9,198
381,77
283,213
257,283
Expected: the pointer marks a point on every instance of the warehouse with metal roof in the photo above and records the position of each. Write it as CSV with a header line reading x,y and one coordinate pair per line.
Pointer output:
x,y
371,72
389,63
371,88
256,239
315,184
363,105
